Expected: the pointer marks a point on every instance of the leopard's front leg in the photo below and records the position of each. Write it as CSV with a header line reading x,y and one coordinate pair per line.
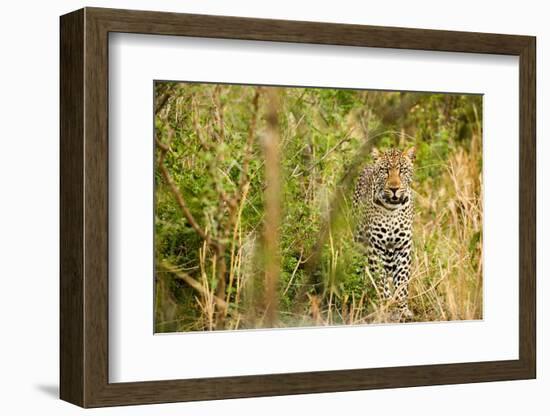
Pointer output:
x,y
401,277
378,269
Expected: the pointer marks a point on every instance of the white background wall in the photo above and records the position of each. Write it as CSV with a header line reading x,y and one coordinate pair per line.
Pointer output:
x,y
29,159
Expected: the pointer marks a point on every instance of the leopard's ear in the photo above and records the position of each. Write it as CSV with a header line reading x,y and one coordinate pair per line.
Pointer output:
x,y
410,153
375,153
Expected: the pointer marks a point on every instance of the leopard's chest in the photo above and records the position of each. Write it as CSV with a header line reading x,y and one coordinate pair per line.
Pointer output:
x,y
390,230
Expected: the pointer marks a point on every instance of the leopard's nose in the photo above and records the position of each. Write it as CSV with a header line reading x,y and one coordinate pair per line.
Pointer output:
x,y
394,191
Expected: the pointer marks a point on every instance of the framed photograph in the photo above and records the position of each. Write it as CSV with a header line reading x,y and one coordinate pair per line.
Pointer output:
x,y
255,207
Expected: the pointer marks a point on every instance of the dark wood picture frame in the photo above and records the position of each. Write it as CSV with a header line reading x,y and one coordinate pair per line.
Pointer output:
x,y
84,207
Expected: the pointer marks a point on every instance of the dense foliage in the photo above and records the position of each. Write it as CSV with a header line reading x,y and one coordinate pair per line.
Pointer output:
x,y
215,145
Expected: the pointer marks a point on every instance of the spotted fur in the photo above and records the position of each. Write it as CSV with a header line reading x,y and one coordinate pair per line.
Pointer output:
x,y
383,203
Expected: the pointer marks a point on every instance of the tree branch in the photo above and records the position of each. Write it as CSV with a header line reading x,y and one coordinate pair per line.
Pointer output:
x,y
163,99
191,282
250,140
164,147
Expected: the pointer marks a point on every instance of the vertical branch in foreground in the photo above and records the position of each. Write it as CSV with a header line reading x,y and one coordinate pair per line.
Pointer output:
x,y
270,147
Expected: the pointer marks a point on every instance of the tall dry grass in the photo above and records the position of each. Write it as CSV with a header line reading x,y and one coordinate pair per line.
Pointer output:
x,y
447,274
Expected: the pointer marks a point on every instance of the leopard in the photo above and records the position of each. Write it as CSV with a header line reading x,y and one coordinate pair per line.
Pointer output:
x,y
384,210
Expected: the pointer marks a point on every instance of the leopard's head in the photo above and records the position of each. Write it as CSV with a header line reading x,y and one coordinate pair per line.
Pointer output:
x,y
393,175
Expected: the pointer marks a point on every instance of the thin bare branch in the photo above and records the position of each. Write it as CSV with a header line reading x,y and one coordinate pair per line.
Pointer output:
x,y
219,113
164,147
244,181
250,139
345,139
191,282
161,101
